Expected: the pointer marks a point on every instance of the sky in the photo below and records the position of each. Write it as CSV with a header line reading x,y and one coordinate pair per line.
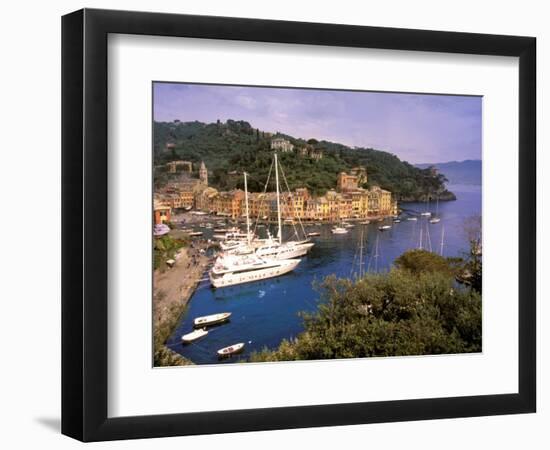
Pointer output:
x,y
418,128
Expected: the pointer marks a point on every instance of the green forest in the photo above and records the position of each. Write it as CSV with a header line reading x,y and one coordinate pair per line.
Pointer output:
x,y
231,147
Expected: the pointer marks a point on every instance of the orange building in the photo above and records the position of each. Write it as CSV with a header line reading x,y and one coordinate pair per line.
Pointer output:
x,y
161,213
347,182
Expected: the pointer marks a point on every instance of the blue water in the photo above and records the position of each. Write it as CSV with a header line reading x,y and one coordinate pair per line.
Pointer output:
x,y
266,312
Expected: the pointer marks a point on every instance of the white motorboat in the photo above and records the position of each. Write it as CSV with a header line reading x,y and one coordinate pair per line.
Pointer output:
x,y
286,250
435,220
396,220
348,225
230,270
384,227
231,350
194,335
426,213
270,248
212,319
313,234
196,233
339,230
412,219
365,222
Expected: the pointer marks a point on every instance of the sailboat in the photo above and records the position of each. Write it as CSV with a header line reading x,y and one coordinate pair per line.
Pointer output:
x,y
435,218
268,248
342,229
427,213
258,263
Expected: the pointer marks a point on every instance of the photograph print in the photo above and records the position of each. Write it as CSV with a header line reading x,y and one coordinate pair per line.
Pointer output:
x,y
296,224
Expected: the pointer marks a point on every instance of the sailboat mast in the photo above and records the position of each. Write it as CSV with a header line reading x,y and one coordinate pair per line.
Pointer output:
x,y
442,237
376,254
361,255
280,232
246,208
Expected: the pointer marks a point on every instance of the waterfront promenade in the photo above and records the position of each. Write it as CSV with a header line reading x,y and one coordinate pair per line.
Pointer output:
x,y
172,290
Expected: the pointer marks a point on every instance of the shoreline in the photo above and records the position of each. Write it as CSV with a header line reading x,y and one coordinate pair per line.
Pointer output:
x,y
172,290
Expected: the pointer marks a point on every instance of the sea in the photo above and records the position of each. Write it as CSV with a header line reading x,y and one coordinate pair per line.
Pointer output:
x,y
266,312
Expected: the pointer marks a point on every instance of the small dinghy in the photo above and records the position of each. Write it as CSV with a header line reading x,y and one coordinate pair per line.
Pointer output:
x,y
231,350
212,319
194,335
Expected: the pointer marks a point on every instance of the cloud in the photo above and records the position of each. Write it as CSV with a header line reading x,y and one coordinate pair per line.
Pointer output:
x,y
415,127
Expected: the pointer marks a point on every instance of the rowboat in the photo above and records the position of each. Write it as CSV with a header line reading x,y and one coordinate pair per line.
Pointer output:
x,y
194,335
231,350
212,319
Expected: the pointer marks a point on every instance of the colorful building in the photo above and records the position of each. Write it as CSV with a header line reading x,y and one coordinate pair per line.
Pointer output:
x,y
161,213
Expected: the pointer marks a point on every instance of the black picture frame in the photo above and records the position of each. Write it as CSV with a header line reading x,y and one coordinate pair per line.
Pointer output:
x,y
84,224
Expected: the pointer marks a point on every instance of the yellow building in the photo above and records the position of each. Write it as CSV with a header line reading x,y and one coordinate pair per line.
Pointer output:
x,y
230,203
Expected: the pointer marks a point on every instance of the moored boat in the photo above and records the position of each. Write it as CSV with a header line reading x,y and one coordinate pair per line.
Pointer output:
x,y
384,227
435,220
313,234
339,230
412,219
194,335
231,270
364,222
212,319
231,350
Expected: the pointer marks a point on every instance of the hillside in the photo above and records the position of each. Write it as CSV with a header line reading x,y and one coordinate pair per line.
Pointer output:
x,y
234,146
459,172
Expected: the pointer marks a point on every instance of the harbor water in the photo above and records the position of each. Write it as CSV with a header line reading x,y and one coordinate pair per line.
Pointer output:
x,y
266,312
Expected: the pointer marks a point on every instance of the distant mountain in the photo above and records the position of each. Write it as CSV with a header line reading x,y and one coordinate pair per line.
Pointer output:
x,y
458,172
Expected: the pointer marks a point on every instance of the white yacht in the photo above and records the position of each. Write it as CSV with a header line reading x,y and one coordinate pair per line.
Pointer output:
x,y
339,230
232,269
246,265
269,248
